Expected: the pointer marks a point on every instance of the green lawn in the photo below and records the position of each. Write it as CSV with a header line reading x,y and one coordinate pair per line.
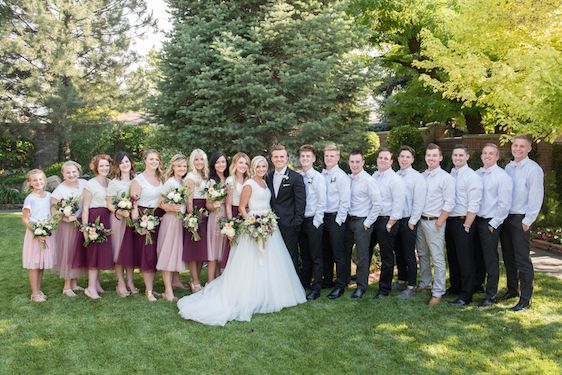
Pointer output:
x,y
113,335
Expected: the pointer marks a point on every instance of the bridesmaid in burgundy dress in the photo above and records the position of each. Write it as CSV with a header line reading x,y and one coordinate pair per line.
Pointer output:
x,y
147,186
97,256
238,175
195,252
216,241
123,170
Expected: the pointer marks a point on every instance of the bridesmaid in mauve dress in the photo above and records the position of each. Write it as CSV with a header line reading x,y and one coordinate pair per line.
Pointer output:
x,y
97,256
216,241
170,246
238,175
147,186
122,169
69,238
195,252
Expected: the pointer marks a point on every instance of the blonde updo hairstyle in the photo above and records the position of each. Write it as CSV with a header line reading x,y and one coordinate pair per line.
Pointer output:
x,y
255,161
71,163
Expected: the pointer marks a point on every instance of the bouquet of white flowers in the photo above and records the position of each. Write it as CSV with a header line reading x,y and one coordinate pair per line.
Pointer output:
x,y
125,202
215,192
192,221
146,224
42,229
231,228
259,227
68,207
176,196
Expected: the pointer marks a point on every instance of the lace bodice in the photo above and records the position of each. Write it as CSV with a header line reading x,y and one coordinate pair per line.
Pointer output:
x,y
260,198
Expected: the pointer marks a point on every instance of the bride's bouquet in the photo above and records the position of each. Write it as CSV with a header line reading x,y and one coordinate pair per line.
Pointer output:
x,y
231,228
68,207
176,196
192,221
259,227
42,229
96,232
125,202
146,224
215,192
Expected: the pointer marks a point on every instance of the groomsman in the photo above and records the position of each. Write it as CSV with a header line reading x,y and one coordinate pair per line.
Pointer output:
x,y
494,208
439,201
313,225
338,187
459,233
408,225
528,193
288,199
363,212
393,194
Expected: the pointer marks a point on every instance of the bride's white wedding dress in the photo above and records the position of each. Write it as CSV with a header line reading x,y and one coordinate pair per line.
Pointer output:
x,y
252,282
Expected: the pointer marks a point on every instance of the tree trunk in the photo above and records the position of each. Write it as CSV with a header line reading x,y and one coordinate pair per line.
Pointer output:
x,y
473,121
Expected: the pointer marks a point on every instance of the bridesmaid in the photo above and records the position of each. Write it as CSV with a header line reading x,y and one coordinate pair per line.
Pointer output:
x,y
97,256
147,187
195,252
68,238
238,175
216,241
170,246
38,253
122,170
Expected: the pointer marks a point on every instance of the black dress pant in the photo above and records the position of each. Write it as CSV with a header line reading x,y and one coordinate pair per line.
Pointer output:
x,y
334,251
310,243
386,242
460,254
515,250
405,245
290,236
486,246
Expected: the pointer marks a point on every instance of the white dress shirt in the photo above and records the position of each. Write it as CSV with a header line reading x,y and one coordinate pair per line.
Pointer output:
x,y
528,188
416,192
277,179
393,193
338,193
496,194
468,191
440,192
315,187
365,198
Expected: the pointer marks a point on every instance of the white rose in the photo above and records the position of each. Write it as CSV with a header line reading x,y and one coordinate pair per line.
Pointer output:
x,y
143,224
170,195
67,211
38,231
150,225
177,197
93,236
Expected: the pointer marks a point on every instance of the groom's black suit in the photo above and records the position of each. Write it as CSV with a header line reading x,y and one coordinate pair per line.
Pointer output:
x,y
289,205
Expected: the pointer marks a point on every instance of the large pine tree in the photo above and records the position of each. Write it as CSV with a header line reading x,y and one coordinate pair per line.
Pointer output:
x,y
242,75
61,61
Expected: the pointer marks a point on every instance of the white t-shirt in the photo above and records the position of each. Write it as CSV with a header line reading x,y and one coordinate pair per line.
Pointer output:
x,y
236,189
40,208
199,183
98,192
118,187
149,194
65,192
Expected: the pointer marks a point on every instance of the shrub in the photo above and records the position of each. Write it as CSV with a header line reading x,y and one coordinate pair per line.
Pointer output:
x,y
54,169
407,135
11,196
16,153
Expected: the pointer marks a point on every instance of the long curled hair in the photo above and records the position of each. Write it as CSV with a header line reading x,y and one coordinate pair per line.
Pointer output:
x,y
176,159
159,172
117,159
213,175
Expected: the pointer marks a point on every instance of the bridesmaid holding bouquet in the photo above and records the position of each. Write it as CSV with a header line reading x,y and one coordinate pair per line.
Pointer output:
x,y
121,205
238,175
147,187
195,249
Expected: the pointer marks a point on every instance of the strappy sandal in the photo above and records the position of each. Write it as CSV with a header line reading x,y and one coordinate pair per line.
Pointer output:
x,y
150,296
69,293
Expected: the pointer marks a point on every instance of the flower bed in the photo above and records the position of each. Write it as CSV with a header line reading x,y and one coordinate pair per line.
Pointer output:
x,y
549,238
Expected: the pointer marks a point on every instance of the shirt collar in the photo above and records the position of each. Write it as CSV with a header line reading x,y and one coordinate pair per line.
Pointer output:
x,y
489,170
519,163
282,172
433,172
403,172
332,171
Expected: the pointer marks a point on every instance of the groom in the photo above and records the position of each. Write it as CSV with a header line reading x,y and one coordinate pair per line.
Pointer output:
x,y
288,199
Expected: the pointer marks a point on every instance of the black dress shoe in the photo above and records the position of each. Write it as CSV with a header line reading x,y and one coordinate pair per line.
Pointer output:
x,y
459,302
451,292
380,295
487,302
314,294
508,295
521,305
336,293
358,293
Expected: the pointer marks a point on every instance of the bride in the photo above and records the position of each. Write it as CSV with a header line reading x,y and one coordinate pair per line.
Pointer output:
x,y
253,281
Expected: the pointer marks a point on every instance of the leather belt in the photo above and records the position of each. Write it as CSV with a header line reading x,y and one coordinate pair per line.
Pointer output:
x,y
429,218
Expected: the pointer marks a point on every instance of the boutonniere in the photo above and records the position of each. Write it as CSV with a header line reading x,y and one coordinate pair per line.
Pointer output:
x,y
285,177
310,180
333,179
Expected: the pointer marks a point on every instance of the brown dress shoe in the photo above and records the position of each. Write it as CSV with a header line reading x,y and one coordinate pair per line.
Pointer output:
x,y
434,301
